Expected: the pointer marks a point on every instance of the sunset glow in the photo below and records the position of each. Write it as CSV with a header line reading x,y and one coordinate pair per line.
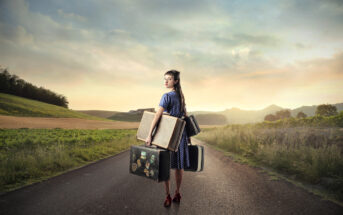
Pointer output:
x,y
112,55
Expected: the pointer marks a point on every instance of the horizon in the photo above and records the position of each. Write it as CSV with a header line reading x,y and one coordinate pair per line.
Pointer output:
x,y
217,110
112,55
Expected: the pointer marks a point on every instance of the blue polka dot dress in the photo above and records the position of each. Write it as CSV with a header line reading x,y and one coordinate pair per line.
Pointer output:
x,y
171,104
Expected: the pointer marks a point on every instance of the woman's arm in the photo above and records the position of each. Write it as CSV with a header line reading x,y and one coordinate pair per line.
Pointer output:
x,y
153,124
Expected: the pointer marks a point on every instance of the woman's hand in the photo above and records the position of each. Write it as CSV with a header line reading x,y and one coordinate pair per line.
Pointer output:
x,y
148,141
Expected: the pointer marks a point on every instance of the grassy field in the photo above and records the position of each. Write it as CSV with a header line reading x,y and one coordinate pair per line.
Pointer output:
x,y
308,154
18,106
31,155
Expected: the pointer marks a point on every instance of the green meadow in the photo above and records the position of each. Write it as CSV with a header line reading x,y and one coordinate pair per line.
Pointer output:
x,y
32,155
18,106
310,153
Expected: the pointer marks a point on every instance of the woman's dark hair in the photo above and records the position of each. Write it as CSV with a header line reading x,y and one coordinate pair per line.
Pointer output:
x,y
177,87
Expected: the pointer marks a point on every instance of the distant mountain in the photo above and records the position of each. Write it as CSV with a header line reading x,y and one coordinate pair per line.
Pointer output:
x,y
271,109
201,112
99,113
238,116
131,116
228,116
210,119
310,110
127,116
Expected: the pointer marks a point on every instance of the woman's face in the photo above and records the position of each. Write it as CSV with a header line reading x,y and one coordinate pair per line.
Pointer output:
x,y
169,81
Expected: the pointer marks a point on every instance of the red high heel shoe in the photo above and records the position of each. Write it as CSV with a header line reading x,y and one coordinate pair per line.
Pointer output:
x,y
167,202
177,197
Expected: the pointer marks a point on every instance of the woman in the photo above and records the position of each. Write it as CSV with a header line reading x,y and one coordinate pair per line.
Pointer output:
x,y
173,102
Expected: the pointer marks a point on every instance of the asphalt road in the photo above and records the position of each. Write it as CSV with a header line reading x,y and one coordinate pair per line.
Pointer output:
x,y
107,187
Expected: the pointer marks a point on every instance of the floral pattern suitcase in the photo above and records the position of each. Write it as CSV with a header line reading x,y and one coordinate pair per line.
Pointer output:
x,y
150,162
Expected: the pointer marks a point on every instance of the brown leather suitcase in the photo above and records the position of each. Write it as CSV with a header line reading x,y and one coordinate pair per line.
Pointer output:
x,y
167,133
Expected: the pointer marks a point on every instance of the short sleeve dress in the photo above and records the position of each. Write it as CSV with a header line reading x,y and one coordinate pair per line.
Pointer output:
x,y
171,104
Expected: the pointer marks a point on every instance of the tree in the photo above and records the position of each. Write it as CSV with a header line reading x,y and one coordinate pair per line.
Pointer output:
x,y
4,80
12,84
270,117
326,110
301,115
281,114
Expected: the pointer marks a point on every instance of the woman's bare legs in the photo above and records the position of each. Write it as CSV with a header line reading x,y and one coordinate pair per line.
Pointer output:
x,y
166,186
178,178
168,199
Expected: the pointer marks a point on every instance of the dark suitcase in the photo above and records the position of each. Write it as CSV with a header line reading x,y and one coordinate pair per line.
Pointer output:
x,y
196,158
150,162
192,126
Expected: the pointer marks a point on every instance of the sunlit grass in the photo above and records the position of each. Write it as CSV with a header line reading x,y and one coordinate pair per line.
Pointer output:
x,y
313,155
18,106
29,155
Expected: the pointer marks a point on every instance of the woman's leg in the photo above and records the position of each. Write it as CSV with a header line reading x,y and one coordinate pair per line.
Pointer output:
x,y
166,186
178,177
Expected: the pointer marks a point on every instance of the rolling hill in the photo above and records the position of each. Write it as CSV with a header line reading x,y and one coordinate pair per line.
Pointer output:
x,y
310,110
99,113
12,105
238,116
115,115
125,116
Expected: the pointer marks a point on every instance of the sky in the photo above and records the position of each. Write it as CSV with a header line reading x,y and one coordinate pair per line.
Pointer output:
x,y
112,55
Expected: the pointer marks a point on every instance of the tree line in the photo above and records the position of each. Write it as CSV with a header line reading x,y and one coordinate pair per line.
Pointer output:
x,y
12,84
321,110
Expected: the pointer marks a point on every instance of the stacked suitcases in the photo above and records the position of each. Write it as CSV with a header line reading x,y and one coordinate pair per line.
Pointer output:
x,y
153,162
196,152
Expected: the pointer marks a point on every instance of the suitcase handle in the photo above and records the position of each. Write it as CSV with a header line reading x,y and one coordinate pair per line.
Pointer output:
x,y
151,146
189,143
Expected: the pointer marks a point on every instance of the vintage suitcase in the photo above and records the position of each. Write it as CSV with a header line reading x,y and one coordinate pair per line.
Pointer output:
x,y
192,126
196,158
167,133
150,162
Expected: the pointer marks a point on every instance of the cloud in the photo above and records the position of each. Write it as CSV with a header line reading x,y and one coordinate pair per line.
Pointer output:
x,y
322,19
231,53
301,83
17,34
71,16
60,49
244,39
321,69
